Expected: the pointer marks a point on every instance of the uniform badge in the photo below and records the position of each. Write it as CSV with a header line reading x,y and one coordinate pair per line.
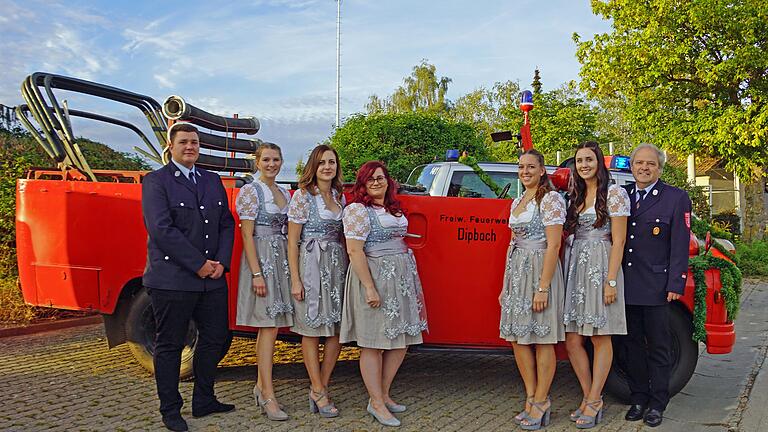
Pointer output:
x,y
656,230
655,192
177,173
688,219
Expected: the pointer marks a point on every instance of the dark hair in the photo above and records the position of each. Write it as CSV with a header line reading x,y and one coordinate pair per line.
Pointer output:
x,y
181,127
544,185
578,192
360,194
308,178
260,149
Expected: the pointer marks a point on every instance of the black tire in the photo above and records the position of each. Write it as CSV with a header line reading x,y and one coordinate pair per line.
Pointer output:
x,y
140,334
685,355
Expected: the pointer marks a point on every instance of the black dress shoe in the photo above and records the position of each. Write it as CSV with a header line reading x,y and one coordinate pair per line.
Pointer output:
x,y
175,422
635,413
653,417
215,407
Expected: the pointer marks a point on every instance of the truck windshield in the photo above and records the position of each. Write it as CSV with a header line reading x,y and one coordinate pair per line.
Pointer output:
x,y
423,176
468,184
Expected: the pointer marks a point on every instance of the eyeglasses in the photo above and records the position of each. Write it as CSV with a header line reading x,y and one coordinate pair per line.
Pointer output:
x,y
379,179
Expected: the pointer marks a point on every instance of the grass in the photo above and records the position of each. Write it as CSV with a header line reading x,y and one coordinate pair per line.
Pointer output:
x,y
13,310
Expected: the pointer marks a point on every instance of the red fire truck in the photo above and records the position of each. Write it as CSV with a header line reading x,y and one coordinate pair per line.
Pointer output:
x,y
82,246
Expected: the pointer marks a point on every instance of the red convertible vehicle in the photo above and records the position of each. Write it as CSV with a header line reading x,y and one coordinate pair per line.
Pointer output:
x,y
82,244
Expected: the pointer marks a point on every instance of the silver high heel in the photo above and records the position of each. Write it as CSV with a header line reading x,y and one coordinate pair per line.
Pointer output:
x,y
530,423
523,414
386,422
327,411
576,414
588,422
396,408
280,415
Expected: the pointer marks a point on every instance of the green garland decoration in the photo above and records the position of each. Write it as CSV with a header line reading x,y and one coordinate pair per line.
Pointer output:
x,y
701,227
471,162
731,280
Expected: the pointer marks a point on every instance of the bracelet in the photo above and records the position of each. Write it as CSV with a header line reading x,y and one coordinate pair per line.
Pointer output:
x,y
543,291
255,275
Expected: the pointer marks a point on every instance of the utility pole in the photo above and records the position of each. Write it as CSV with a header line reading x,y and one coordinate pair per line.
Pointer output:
x,y
338,63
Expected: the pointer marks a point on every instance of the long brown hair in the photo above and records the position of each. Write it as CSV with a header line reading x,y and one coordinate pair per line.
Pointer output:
x,y
578,193
360,193
544,185
308,179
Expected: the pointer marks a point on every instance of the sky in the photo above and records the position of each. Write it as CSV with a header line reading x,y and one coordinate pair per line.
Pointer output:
x,y
276,59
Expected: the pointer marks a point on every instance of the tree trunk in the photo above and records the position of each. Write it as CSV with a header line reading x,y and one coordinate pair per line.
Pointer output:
x,y
754,209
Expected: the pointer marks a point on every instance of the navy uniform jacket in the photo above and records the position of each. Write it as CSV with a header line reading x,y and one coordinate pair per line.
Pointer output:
x,y
656,252
186,224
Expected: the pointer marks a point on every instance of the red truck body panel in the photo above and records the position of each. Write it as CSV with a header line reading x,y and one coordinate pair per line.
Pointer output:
x,y
79,243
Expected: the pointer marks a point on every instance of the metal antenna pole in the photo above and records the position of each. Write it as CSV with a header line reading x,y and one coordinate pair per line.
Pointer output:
x,y
338,61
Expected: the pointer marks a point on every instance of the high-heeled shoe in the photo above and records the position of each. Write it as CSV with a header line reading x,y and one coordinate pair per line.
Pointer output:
x,y
587,421
524,413
327,411
280,415
576,414
530,423
394,422
396,408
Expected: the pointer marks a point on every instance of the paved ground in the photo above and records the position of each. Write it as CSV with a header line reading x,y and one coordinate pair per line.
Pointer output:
x,y
68,380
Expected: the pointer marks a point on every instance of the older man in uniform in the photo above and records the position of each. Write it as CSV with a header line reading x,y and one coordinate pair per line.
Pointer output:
x,y
189,249
655,266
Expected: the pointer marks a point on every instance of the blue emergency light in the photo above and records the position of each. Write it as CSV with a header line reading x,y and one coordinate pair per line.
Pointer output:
x,y
620,163
452,155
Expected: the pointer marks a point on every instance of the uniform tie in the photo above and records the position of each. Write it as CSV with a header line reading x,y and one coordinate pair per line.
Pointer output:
x,y
192,177
642,193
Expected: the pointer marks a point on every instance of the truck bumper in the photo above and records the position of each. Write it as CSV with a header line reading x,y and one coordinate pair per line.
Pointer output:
x,y
720,338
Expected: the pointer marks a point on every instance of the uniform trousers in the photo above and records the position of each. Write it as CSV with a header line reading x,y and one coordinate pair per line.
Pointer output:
x,y
648,348
173,311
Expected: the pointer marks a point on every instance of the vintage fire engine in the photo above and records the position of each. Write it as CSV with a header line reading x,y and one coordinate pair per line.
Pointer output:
x,y
81,241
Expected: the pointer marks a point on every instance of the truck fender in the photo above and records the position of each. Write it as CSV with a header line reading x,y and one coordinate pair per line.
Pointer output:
x,y
114,324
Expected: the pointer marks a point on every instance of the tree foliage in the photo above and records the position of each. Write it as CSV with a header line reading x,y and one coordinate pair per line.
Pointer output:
x,y
402,141
694,75
422,91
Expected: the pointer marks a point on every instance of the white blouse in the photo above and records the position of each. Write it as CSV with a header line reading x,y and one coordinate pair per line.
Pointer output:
x,y
357,226
298,209
247,204
552,210
618,202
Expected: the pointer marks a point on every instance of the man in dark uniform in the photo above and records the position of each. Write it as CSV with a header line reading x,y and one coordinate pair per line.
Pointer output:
x,y
189,248
655,266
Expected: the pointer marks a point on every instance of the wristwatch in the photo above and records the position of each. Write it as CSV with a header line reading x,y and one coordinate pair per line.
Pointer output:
x,y
612,283
255,275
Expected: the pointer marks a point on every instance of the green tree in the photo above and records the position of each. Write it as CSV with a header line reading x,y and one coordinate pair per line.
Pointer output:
x,y
422,91
402,141
695,78
300,168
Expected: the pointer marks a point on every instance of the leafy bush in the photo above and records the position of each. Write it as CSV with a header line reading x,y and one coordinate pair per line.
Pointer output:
x,y
678,178
753,258
402,141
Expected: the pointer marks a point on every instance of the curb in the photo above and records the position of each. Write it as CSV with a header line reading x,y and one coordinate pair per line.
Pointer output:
x,y
50,326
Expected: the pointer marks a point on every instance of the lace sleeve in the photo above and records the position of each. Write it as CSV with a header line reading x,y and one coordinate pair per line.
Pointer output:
x,y
552,209
356,223
247,204
618,201
298,209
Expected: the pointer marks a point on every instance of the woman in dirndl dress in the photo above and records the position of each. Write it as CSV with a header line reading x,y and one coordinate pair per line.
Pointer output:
x,y
318,264
594,298
383,301
532,294
264,289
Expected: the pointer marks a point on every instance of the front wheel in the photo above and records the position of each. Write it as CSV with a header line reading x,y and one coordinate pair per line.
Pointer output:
x,y
140,334
685,355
